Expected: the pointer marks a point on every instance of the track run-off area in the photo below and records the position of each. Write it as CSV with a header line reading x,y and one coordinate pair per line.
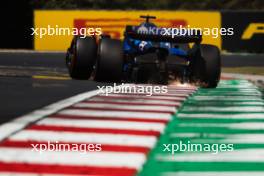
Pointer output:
x,y
132,129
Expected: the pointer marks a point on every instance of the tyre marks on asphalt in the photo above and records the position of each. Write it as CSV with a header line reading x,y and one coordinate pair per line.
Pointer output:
x,y
230,114
127,126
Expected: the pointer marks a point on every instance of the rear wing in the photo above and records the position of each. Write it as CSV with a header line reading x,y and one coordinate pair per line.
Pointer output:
x,y
163,34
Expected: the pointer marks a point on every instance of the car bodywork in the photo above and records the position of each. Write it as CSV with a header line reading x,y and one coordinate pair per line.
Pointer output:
x,y
148,54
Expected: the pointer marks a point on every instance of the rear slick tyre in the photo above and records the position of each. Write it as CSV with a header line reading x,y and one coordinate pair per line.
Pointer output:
x,y
81,57
212,65
109,66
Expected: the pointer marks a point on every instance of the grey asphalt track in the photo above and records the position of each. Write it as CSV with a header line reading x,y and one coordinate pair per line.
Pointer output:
x,y
21,93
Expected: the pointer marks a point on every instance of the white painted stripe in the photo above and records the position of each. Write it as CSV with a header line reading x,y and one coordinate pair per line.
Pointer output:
x,y
130,107
104,159
244,139
251,103
241,84
196,135
232,103
237,126
223,138
144,97
21,122
109,124
223,109
227,98
221,116
235,94
95,138
209,173
237,86
162,102
240,103
244,76
232,91
245,155
231,81
118,114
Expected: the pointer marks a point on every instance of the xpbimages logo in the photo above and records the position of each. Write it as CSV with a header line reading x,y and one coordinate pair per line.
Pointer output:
x,y
65,31
194,147
132,89
64,147
184,31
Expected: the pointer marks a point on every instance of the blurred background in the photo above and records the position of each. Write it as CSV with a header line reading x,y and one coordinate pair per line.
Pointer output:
x,y
246,17
19,18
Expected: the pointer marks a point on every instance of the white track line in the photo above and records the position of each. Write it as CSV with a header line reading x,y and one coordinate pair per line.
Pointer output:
x,y
117,114
237,126
221,104
21,122
241,86
224,109
161,102
221,116
244,76
144,97
196,135
223,138
228,98
245,155
230,103
244,139
95,138
109,124
130,107
238,93
104,159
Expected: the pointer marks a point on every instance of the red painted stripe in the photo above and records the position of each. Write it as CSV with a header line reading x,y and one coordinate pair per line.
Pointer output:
x,y
64,116
66,169
131,103
121,109
137,97
105,147
92,130
226,78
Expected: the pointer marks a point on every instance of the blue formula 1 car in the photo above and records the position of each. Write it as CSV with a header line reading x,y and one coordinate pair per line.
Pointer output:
x,y
148,54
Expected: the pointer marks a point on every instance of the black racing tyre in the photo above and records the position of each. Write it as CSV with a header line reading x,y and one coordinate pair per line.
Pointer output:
x,y
210,55
81,57
109,66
